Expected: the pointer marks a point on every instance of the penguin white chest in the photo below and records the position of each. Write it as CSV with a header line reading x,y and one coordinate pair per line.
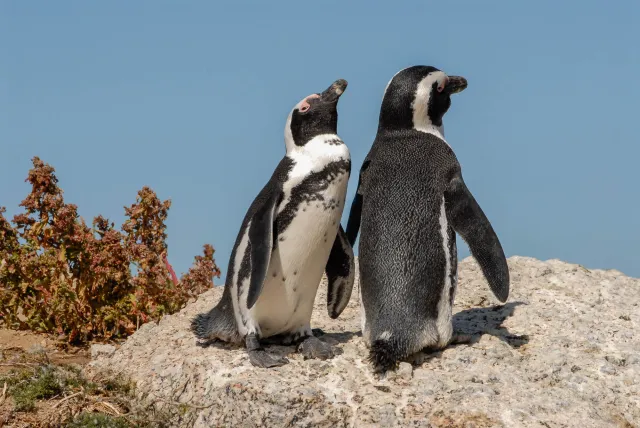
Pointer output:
x,y
310,217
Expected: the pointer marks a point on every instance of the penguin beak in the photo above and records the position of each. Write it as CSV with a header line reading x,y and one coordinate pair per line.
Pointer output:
x,y
333,92
455,84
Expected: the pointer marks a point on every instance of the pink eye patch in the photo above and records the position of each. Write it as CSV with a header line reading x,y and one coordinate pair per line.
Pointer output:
x,y
304,104
443,84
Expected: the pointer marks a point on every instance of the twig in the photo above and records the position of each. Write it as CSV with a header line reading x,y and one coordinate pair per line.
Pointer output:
x,y
191,406
111,407
30,365
12,348
67,398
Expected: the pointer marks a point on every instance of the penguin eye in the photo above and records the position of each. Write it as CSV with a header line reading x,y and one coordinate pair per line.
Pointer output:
x,y
304,105
441,87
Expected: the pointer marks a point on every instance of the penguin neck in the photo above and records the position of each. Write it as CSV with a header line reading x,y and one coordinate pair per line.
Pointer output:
x,y
430,128
322,148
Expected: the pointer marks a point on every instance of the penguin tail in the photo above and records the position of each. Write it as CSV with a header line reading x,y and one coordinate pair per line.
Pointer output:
x,y
200,325
215,325
384,355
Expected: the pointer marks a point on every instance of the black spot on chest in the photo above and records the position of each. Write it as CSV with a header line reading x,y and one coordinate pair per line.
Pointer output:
x,y
310,190
334,142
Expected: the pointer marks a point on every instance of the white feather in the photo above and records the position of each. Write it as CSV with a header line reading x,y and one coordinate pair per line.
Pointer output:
x,y
420,105
443,323
386,335
299,258
240,302
363,314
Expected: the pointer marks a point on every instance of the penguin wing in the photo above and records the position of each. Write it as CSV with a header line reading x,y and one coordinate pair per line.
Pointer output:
x,y
468,219
353,224
261,239
340,271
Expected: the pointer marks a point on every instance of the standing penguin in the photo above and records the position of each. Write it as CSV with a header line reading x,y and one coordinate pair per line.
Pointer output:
x,y
411,199
290,235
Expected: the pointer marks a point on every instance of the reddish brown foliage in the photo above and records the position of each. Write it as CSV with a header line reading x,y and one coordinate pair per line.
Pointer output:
x,y
59,275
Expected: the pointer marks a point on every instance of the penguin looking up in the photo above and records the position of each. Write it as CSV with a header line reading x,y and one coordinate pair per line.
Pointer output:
x,y
290,235
411,200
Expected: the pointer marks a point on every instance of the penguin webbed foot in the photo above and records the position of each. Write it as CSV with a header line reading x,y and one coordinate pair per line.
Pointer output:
x,y
261,358
312,347
318,332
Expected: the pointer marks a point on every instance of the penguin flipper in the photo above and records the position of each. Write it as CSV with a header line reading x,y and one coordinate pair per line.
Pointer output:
x,y
340,270
261,238
353,224
468,220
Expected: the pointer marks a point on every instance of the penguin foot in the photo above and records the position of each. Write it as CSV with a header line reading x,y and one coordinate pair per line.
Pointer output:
x,y
318,332
312,347
260,358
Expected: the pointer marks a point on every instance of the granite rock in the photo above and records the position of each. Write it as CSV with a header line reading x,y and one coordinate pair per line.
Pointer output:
x,y
564,351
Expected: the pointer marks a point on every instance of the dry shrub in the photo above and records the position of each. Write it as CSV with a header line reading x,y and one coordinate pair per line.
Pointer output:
x,y
58,275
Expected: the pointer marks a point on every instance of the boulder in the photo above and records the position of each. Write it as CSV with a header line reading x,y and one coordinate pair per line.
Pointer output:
x,y
564,351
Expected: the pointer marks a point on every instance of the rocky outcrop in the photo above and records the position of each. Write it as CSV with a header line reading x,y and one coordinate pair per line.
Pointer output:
x,y
564,351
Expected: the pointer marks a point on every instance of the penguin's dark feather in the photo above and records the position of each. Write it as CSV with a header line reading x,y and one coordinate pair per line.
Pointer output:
x,y
261,237
468,219
384,355
407,208
217,324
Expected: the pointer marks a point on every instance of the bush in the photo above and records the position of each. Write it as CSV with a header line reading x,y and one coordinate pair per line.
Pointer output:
x,y
58,275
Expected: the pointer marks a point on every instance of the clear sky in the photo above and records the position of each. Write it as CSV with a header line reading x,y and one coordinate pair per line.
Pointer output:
x,y
191,99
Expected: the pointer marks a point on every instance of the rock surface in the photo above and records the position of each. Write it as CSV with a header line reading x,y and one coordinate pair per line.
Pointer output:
x,y
564,351
98,350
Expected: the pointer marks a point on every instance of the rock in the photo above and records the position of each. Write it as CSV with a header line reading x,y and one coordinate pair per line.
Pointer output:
x,y
556,354
405,371
98,350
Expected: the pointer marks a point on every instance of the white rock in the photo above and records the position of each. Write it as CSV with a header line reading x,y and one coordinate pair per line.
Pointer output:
x,y
99,350
536,361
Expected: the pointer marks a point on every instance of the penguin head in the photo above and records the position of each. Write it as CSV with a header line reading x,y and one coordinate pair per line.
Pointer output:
x,y
417,98
314,115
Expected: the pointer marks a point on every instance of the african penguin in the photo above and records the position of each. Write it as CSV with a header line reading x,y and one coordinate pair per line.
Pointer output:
x,y
290,235
411,200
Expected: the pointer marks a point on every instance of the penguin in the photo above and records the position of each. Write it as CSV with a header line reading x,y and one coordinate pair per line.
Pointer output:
x,y
410,202
290,235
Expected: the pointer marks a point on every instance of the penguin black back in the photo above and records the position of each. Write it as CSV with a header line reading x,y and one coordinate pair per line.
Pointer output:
x,y
410,200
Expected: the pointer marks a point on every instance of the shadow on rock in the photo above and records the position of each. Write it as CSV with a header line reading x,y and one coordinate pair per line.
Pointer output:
x,y
334,338
281,344
275,344
478,321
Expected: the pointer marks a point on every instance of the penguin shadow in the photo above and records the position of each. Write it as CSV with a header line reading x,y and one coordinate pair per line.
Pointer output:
x,y
280,345
332,339
474,323
470,325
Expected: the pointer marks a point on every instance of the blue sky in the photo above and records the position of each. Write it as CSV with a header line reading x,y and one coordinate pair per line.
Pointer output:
x,y
191,99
